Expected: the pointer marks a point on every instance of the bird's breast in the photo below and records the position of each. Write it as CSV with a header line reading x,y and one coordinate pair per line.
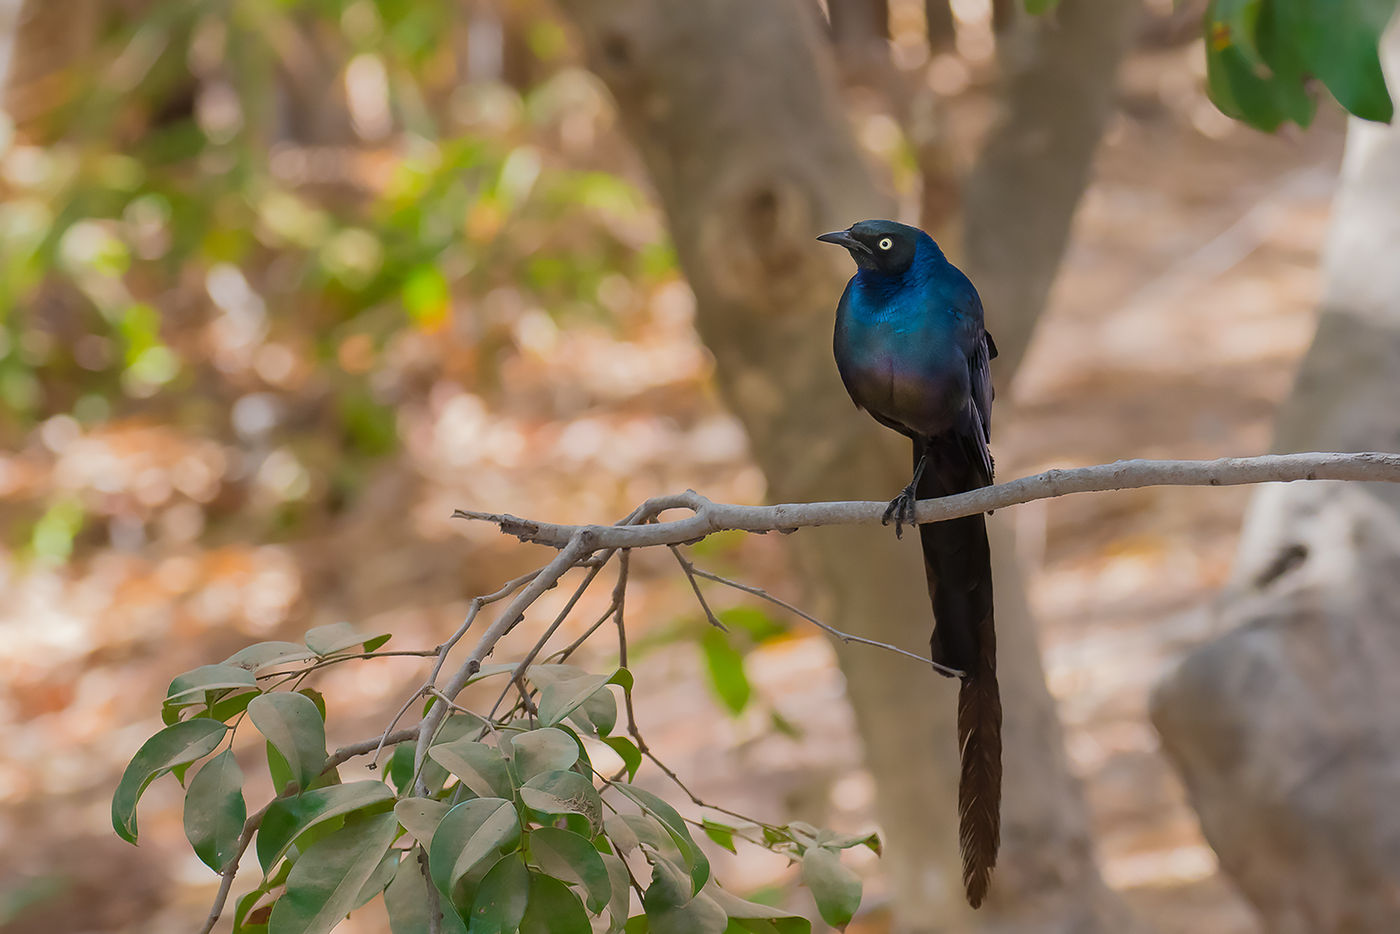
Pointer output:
x,y
904,375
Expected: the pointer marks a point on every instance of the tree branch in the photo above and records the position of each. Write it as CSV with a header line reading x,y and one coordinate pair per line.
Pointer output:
x,y
709,517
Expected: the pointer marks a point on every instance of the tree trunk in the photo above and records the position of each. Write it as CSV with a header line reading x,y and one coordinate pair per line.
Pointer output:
x,y
1032,171
1284,728
734,108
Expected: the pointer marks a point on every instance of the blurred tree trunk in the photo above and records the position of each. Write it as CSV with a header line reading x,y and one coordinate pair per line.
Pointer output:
x,y
45,42
1031,173
735,110
938,24
1284,727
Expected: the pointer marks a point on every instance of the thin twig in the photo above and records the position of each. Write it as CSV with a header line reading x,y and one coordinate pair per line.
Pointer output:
x,y
825,627
337,659
517,676
250,827
442,651
434,905
689,570
374,744
579,547
619,596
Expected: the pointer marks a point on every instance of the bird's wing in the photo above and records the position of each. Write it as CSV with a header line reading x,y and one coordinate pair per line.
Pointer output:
x,y
979,364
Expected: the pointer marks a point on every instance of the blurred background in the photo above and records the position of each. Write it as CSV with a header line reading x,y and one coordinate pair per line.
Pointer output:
x,y
284,282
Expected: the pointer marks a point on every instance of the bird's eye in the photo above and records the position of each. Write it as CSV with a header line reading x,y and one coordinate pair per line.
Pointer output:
x,y
886,243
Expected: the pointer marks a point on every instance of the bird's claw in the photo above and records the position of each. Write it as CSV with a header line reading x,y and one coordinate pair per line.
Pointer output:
x,y
901,509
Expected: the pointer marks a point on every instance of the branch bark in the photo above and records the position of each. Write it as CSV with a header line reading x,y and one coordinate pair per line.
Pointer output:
x,y
709,517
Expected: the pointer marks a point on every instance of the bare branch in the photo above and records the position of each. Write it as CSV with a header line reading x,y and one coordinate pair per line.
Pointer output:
x,y
689,568
708,517
832,630
346,753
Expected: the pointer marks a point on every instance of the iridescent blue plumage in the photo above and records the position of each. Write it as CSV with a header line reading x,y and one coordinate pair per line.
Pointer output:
x,y
911,346
912,351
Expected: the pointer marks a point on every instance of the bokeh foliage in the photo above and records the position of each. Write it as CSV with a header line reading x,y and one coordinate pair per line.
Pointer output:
x,y
263,201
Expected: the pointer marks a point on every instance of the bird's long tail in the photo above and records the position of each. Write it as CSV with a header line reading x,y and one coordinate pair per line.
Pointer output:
x,y
957,562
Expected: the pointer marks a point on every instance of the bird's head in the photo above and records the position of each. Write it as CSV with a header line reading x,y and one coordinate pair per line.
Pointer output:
x,y
879,246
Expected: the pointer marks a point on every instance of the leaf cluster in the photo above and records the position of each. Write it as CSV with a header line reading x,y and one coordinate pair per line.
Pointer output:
x,y
1264,58
506,825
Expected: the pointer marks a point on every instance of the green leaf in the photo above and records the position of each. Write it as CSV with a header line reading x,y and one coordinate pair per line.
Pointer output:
x,y
621,898
570,857
1239,92
620,833
628,751
722,834
262,655
456,726
230,706
406,900
326,880
288,818
651,833
725,665
401,766
672,909
337,637
756,623
293,726
247,903
378,880
469,834
1338,42
495,668
560,699
1040,7
480,767
177,744
215,811
751,916
836,888
670,886
597,715
563,792
421,816
537,751
316,698
190,687
843,841
553,909
695,860
501,898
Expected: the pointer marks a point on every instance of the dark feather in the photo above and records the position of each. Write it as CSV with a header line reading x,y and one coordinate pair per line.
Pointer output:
x,y
957,564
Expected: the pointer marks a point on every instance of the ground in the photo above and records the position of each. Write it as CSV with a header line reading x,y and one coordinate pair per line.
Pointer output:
x,y
1188,296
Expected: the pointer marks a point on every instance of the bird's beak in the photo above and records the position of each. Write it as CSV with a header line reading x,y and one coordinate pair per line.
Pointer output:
x,y
844,238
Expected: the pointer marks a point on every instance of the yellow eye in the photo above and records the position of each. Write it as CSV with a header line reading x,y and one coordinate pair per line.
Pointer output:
x,y
886,243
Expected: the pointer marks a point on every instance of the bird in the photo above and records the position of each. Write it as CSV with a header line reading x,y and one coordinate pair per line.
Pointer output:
x,y
913,352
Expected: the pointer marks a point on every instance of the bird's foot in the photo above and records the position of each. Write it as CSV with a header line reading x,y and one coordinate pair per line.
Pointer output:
x,y
901,509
